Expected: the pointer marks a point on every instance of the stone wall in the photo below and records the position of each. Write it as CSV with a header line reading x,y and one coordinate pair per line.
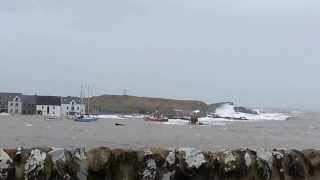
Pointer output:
x,y
157,164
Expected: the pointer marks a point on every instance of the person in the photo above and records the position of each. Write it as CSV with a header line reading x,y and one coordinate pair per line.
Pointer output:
x,y
194,118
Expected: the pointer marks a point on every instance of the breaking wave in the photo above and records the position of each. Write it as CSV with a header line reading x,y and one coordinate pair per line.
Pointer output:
x,y
227,112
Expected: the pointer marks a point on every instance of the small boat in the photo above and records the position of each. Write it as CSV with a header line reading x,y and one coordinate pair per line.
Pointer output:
x,y
157,117
51,118
86,118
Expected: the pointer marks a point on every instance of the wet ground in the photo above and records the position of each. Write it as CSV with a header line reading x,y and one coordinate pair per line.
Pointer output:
x,y
300,132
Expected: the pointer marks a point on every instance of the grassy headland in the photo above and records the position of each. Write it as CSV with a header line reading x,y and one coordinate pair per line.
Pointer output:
x,y
134,104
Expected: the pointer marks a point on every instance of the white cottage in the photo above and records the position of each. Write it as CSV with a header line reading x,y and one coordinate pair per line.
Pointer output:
x,y
72,106
15,105
48,106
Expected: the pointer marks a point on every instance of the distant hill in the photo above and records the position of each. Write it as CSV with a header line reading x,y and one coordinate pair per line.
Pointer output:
x,y
134,104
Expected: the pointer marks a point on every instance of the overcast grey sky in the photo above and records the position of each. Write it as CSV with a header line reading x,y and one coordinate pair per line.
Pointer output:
x,y
253,52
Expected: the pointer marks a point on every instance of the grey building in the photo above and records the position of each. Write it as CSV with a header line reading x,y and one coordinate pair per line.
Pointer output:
x,y
48,105
11,103
29,104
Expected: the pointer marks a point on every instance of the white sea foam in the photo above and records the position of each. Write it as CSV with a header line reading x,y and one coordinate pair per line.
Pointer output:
x,y
109,117
203,121
4,114
118,116
227,111
132,116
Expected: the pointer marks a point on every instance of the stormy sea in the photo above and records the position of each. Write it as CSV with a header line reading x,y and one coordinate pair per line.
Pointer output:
x,y
298,130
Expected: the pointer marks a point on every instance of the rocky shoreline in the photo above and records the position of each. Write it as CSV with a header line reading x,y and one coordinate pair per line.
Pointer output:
x,y
154,164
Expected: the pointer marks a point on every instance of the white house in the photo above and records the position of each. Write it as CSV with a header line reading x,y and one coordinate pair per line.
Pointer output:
x,y
10,103
48,106
15,105
72,106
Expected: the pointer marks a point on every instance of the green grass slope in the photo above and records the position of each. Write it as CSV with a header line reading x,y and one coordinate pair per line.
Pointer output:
x,y
134,104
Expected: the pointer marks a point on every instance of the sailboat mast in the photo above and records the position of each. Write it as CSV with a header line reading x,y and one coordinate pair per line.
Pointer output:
x,y
81,99
88,88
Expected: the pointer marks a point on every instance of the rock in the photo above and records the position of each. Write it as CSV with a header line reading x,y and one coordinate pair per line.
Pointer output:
x,y
213,107
152,163
150,171
189,163
277,166
59,159
171,158
244,110
313,161
192,157
124,165
99,159
6,164
20,157
232,164
35,165
158,164
78,163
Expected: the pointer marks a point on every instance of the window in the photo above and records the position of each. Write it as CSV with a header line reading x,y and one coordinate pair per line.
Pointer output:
x,y
17,104
78,108
17,99
67,107
53,107
42,107
11,104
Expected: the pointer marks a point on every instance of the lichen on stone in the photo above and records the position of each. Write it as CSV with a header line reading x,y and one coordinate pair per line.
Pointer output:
x,y
277,155
230,161
57,154
193,157
266,156
80,154
168,175
171,158
147,152
150,170
35,163
5,162
248,159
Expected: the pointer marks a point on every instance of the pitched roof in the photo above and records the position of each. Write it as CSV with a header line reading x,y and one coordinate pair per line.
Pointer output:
x,y
67,100
48,100
29,99
5,96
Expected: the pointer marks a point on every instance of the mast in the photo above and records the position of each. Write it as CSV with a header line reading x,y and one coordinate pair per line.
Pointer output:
x,y
88,89
82,99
